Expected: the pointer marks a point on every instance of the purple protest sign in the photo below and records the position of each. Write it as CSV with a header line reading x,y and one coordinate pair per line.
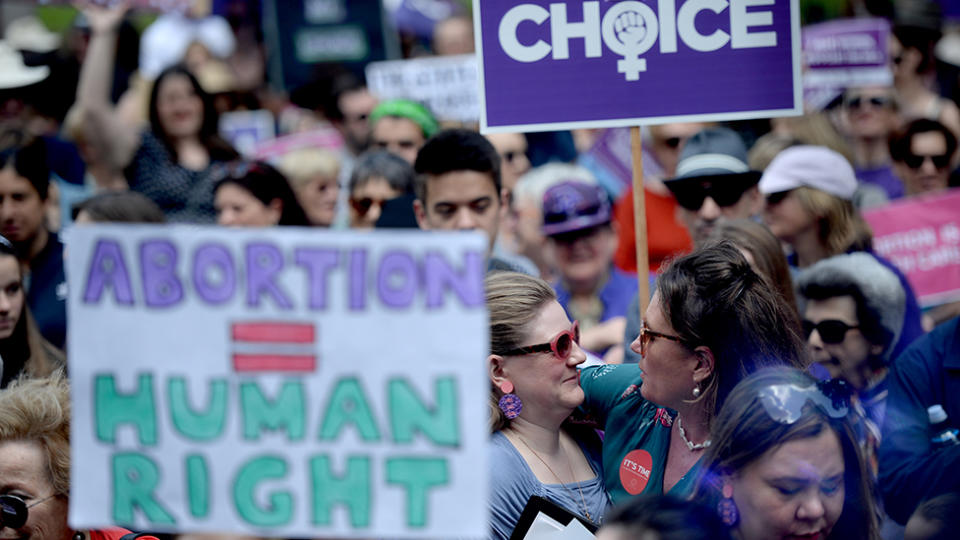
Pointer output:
x,y
844,53
565,64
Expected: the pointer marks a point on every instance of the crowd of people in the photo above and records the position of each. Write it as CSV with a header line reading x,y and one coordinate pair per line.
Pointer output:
x,y
782,382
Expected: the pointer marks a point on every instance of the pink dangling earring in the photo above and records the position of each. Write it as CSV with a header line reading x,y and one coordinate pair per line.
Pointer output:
x,y
727,508
510,403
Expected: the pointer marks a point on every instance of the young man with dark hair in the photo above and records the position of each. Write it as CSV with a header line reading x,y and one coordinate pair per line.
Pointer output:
x,y
350,112
24,188
458,185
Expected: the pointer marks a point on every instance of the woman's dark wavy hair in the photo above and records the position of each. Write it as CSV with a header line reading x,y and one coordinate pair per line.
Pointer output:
x,y
267,184
220,150
744,432
712,297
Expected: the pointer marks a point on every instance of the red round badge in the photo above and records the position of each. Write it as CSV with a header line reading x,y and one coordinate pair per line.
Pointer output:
x,y
635,471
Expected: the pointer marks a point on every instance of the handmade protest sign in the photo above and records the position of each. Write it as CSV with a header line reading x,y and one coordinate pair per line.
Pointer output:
x,y
844,53
921,236
447,85
289,383
246,130
566,64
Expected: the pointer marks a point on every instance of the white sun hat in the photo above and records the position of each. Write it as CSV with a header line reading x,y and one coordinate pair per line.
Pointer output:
x,y
30,34
14,73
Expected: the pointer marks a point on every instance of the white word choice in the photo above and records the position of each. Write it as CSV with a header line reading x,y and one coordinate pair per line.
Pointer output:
x,y
631,28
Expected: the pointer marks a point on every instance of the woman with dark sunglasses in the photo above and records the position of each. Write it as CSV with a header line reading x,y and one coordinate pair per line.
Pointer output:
x,y
784,462
378,176
535,386
35,463
22,349
711,322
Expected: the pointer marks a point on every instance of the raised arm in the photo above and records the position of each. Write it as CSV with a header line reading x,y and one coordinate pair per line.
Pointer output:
x,y
116,137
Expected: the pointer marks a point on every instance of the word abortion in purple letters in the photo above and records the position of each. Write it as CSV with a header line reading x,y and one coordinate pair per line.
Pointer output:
x,y
396,277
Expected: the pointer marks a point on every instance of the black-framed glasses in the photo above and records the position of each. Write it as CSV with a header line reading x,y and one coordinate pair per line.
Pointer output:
x,y
857,102
14,511
831,331
784,402
647,335
561,345
691,193
915,161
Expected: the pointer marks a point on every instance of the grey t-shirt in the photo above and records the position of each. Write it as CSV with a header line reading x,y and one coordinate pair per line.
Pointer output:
x,y
512,483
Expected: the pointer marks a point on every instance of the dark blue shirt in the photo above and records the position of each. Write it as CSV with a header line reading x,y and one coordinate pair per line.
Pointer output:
x,y
47,292
927,374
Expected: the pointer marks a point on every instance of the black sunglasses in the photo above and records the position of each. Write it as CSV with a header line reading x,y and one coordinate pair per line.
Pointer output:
x,y
363,205
914,161
831,331
671,142
774,199
879,102
14,512
691,194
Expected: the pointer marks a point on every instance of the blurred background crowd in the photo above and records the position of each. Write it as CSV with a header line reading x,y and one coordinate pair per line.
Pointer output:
x,y
232,112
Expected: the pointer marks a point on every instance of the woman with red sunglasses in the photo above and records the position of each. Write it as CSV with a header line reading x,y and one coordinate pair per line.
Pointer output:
x,y
711,322
535,386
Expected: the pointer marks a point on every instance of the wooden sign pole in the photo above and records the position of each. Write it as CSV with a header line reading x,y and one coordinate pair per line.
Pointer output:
x,y
640,220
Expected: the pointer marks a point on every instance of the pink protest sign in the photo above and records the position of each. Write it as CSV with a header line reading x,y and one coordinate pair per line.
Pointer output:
x,y
921,236
327,138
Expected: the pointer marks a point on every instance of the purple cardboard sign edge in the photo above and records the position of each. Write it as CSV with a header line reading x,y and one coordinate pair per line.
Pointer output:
x,y
796,92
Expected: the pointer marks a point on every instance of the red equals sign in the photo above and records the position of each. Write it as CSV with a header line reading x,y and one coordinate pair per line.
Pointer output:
x,y
273,346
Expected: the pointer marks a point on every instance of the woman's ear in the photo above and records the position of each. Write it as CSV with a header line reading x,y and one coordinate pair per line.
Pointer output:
x,y
276,210
495,369
705,364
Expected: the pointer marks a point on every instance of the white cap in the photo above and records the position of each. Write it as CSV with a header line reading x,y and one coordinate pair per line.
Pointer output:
x,y
817,167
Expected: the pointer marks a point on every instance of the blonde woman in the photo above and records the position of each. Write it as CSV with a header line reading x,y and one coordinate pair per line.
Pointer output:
x,y
535,386
313,174
808,192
